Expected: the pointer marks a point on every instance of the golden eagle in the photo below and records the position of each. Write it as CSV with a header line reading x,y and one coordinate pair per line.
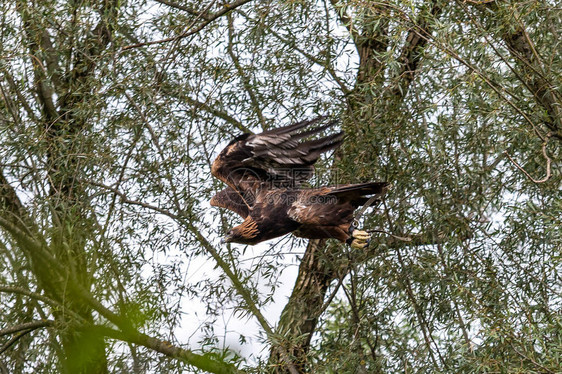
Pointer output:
x,y
264,173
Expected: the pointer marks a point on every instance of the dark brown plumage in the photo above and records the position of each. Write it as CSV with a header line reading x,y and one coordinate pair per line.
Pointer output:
x,y
264,174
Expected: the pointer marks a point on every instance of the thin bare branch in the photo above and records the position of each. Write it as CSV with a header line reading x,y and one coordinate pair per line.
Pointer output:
x,y
412,51
193,12
26,326
204,362
211,17
217,112
318,61
548,163
248,86
345,19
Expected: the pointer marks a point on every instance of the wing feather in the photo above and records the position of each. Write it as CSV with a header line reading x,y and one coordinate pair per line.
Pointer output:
x,y
231,200
275,158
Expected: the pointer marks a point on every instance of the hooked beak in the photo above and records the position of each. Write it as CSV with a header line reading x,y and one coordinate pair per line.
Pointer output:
x,y
226,239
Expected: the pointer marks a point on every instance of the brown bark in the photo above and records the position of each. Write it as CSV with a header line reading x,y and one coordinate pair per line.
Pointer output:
x,y
300,316
545,95
530,64
371,43
62,261
322,264
411,55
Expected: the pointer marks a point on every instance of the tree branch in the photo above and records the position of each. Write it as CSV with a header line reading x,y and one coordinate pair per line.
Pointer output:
x,y
211,17
13,340
242,74
217,113
18,93
33,295
372,43
35,40
205,362
548,163
299,318
243,292
51,59
323,63
238,285
427,334
26,326
523,50
193,12
22,330
345,20
411,54
11,203
493,85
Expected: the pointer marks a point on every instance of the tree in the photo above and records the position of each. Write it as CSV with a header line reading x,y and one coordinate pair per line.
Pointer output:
x,y
112,112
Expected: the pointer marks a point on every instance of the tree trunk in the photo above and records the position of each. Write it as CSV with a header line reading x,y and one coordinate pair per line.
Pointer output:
x,y
300,316
322,264
62,95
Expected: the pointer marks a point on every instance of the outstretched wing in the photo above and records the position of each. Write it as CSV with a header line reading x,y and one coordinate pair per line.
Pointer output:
x,y
232,200
278,157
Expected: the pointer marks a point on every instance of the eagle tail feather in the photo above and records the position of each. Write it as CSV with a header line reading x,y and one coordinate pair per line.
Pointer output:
x,y
358,194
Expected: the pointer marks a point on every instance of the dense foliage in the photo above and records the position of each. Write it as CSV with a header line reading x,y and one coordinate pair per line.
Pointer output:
x,y
111,113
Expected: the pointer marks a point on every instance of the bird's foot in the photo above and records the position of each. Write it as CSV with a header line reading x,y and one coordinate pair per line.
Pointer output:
x,y
359,239
361,235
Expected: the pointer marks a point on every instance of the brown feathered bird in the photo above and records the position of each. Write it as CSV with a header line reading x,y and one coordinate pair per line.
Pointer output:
x,y
264,173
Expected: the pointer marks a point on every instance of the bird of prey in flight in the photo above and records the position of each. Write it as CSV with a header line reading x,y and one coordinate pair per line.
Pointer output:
x,y
265,172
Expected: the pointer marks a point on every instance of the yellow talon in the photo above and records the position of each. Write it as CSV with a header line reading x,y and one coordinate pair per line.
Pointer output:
x,y
359,239
361,235
359,244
